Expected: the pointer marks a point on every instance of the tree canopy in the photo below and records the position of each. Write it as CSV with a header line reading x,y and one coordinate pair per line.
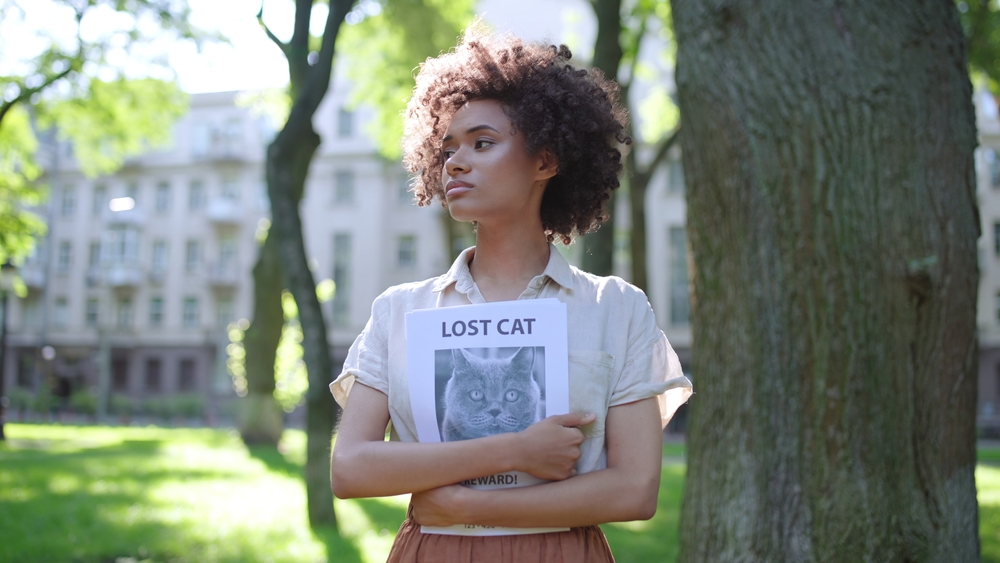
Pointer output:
x,y
91,72
402,33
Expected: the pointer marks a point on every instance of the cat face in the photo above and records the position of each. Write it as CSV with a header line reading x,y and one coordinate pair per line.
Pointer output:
x,y
489,396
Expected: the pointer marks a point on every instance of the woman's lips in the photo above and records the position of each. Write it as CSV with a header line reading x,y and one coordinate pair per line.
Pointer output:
x,y
456,187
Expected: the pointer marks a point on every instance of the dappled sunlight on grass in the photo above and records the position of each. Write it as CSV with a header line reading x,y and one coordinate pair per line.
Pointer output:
x,y
654,539
988,486
93,494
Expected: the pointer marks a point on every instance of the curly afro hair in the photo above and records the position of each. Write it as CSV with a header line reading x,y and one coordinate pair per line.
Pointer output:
x,y
572,112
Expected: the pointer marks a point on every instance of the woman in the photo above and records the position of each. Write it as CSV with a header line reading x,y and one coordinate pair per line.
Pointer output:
x,y
513,138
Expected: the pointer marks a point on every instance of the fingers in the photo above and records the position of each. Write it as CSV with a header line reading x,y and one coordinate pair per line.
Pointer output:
x,y
574,419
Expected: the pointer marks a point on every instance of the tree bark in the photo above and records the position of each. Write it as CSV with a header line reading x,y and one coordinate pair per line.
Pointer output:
x,y
288,159
599,246
832,219
260,417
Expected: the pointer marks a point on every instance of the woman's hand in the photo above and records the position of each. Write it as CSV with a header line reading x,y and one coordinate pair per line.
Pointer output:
x,y
548,449
438,507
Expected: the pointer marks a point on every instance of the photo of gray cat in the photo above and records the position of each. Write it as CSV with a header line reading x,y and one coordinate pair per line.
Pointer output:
x,y
486,391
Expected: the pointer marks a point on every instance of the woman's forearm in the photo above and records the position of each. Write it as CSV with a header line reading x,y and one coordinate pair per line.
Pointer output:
x,y
372,469
607,495
625,490
363,464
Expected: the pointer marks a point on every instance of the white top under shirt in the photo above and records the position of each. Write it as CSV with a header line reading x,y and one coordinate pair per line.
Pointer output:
x,y
617,354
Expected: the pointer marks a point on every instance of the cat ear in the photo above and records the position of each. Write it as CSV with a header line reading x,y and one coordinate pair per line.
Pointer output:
x,y
523,359
461,358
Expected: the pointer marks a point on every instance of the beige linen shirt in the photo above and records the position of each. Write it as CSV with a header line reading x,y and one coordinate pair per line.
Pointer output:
x,y
617,354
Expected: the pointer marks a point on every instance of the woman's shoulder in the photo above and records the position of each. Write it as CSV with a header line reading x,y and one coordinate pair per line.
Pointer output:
x,y
407,295
610,287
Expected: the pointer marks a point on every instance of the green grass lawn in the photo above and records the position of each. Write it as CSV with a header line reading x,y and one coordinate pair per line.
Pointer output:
x,y
128,495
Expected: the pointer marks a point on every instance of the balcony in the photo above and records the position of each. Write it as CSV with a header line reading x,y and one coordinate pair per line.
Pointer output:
x,y
134,217
223,275
33,275
123,276
222,211
94,276
157,277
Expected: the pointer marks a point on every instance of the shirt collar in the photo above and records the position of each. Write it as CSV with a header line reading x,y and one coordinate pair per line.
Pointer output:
x,y
558,270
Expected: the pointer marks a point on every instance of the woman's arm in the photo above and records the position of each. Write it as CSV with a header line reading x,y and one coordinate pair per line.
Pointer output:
x,y
626,490
365,465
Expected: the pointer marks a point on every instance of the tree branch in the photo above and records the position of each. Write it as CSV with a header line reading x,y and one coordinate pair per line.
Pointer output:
x,y
634,63
260,19
26,94
661,154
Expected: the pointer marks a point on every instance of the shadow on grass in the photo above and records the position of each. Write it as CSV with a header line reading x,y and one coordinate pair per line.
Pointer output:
x,y
275,461
79,493
338,549
654,539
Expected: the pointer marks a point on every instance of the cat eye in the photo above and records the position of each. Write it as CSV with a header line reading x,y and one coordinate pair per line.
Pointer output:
x,y
511,396
476,395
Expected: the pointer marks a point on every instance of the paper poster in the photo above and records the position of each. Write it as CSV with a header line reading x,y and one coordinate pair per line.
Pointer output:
x,y
482,370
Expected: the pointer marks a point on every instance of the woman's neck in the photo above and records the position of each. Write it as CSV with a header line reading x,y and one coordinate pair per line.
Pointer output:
x,y
505,262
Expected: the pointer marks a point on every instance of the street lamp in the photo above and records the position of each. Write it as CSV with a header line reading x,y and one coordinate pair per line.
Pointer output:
x,y
7,274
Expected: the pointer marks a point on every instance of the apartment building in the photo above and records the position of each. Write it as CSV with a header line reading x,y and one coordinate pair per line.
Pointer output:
x,y
142,271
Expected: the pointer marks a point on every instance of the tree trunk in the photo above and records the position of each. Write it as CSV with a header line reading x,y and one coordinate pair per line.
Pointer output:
x,y
260,417
832,218
599,246
288,159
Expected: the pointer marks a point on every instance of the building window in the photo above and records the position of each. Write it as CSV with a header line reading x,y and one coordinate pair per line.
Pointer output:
x,y
403,194
60,315
64,257
154,373
224,312
186,376
341,277
406,254
230,188
191,312
68,206
993,160
124,316
123,245
227,255
343,193
156,311
196,195
132,191
162,197
192,256
94,255
200,139
90,315
100,202
345,123
119,374
679,297
29,312
675,176
158,264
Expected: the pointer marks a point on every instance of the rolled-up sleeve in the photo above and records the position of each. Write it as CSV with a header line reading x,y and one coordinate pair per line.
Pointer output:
x,y
651,367
367,360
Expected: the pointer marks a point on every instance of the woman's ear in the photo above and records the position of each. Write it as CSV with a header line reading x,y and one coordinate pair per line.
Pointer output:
x,y
548,166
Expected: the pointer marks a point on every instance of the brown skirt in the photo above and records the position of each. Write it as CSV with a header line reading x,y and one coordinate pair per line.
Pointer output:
x,y
578,545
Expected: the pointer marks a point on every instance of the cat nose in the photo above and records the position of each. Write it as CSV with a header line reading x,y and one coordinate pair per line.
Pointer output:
x,y
495,411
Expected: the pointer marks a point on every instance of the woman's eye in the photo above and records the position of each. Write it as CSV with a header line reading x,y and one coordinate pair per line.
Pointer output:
x,y
511,396
448,153
476,395
483,143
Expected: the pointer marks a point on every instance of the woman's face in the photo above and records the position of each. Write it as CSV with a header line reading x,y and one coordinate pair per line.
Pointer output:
x,y
488,174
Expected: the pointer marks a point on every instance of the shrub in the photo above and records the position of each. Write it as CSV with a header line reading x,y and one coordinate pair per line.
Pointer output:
x,y
83,402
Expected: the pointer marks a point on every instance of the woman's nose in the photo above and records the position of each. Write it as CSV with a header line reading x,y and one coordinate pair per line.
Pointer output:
x,y
456,163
